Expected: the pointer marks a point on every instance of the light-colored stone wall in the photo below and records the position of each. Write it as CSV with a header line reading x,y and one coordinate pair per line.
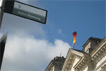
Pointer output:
x,y
102,61
87,47
86,69
93,61
75,62
52,69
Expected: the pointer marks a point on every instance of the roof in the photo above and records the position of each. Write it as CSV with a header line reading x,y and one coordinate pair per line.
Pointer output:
x,y
54,61
80,51
99,46
98,40
77,53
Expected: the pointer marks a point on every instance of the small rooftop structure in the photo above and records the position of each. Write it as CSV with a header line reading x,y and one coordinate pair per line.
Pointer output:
x,y
90,44
56,64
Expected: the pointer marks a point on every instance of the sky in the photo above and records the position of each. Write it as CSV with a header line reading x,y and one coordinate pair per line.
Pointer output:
x,y
31,45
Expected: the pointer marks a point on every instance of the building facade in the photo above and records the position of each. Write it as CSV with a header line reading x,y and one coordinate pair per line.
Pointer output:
x,y
56,64
91,58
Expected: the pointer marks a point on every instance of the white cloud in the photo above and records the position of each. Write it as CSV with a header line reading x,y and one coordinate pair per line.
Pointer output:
x,y
60,32
26,48
17,25
28,53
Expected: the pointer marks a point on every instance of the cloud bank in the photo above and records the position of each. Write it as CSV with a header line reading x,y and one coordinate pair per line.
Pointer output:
x,y
28,53
27,48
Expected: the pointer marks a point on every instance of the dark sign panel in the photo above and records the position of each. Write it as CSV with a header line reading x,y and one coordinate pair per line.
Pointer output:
x,y
26,11
2,47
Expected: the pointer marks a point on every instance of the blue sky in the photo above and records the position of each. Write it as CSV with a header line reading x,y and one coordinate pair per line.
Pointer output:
x,y
31,45
85,17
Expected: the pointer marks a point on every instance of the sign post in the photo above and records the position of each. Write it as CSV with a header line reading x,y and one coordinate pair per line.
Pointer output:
x,y
22,10
1,10
2,47
3,39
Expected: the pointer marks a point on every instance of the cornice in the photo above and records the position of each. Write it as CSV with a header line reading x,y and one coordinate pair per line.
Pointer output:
x,y
103,42
65,63
101,65
72,53
100,54
89,40
79,62
49,66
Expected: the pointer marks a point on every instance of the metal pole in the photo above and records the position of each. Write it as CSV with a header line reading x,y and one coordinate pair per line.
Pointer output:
x,y
2,47
1,12
2,43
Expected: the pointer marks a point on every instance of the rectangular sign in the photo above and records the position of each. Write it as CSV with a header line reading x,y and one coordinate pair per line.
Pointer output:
x,y
1,2
26,11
